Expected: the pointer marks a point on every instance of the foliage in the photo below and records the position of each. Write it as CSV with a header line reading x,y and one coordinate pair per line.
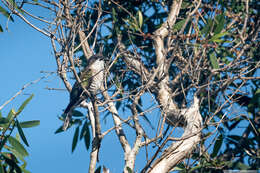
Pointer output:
x,y
12,150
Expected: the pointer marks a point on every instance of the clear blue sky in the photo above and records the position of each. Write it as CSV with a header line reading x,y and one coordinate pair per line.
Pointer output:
x,y
24,53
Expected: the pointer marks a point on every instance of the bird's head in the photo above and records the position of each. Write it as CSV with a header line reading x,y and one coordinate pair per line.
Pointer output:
x,y
100,53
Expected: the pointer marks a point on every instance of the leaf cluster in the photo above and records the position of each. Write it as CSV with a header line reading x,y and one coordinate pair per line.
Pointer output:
x,y
12,151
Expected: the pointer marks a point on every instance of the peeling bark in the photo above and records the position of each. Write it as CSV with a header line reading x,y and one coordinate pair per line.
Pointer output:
x,y
179,150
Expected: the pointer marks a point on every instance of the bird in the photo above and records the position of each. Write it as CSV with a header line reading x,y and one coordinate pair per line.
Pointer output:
x,y
92,79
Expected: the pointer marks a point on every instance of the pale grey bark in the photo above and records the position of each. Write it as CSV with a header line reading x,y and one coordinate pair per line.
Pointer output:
x,y
179,150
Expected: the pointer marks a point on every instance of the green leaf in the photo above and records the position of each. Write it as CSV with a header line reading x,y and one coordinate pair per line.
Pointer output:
x,y
184,5
3,143
255,101
1,29
220,19
213,60
83,130
25,171
28,124
12,164
206,29
222,41
17,136
242,166
86,134
75,139
3,120
10,114
140,19
197,167
179,25
16,153
87,140
1,168
24,104
76,113
6,13
59,130
17,146
257,91
133,25
129,170
235,137
20,131
217,146
114,14
98,170
217,36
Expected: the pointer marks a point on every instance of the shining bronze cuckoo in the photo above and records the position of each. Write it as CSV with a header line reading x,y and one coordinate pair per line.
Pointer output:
x,y
92,78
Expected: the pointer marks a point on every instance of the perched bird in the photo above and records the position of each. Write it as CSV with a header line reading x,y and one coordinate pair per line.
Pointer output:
x,y
92,78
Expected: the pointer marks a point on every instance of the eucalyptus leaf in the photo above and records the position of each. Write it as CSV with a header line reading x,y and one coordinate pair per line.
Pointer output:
x,y
17,146
87,138
76,113
59,130
177,26
21,133
214,60
11,114
1,168
98,170
24,104
75,139
3,120
28,124
220,19
3,142
15,153
129,170
219,35
140,19
12,164
217,146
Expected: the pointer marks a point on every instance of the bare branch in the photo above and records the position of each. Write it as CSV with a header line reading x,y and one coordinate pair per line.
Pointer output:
x,y
23,88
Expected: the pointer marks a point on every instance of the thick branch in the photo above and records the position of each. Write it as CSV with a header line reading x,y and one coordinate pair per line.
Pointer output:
x,y
164,95
131,156
179,150
131,61
96,132
191,116
119,130
94,152
85,46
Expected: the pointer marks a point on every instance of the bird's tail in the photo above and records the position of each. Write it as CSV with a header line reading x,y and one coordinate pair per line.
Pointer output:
x,y
68,116
67,110
66,122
